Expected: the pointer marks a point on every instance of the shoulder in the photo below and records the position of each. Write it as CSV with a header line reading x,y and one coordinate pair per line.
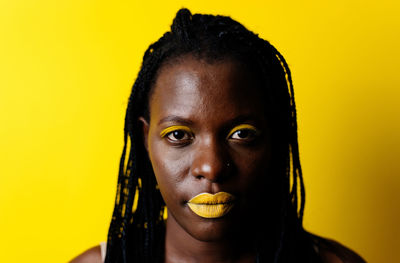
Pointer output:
x,y
332,251
92,255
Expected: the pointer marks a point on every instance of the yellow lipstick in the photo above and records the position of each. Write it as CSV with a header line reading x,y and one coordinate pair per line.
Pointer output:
x,y
211,206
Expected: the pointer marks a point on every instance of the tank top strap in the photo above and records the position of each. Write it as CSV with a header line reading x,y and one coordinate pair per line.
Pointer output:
x,y
103,249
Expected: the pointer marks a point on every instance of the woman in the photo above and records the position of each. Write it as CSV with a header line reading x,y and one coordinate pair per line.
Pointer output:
x,y
211,134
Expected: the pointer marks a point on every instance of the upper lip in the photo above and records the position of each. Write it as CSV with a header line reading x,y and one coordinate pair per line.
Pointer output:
x,y
212,199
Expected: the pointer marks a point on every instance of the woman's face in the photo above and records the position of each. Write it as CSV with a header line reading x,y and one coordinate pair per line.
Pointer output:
x,y
207,134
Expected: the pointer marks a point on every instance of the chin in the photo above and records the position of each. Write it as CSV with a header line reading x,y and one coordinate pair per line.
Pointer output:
x,y
210,236
212,230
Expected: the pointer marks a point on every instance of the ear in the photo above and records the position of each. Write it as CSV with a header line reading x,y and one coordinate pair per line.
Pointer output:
x,y
145,130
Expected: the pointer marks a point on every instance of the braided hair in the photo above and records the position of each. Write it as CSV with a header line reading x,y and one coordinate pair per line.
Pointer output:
x,y
137,228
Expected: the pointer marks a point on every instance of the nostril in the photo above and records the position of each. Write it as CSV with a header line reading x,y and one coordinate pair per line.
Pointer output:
x,y
209,165
199,177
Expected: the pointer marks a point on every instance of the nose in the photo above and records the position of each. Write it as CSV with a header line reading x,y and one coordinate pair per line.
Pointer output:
x,y
211,161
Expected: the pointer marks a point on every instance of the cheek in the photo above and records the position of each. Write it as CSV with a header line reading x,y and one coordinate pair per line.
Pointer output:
x,y
254,165
255,179
169,168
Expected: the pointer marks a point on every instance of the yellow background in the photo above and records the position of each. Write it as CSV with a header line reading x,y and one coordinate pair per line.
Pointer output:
x,y
66,70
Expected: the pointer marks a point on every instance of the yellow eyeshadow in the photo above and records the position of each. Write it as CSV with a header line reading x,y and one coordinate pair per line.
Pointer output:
x,y
242,127
174,128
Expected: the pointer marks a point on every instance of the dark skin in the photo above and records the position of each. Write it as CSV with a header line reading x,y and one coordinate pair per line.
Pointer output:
x,y
209,100
206,148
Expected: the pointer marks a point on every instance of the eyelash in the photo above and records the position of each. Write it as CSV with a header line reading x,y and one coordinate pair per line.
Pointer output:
x,y
246,128
185,134
171,130
166,133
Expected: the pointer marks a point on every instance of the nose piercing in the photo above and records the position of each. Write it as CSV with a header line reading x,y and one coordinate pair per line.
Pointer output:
x,y
228,164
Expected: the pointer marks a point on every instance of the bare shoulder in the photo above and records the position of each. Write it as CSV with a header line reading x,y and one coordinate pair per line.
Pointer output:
x,y
92,255
332,251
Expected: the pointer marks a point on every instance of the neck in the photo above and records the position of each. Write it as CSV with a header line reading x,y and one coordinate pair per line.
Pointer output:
x,y
180,246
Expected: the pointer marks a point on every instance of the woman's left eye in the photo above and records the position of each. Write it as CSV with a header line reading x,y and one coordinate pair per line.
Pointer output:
x,y
244,132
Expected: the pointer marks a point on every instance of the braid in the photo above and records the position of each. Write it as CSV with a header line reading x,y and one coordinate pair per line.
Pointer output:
x,y
137,228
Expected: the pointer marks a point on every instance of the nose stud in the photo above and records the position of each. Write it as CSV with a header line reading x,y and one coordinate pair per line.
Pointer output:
x,y
228,164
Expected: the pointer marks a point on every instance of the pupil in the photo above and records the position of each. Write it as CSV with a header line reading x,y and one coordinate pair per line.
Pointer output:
x,y
178,134
243,133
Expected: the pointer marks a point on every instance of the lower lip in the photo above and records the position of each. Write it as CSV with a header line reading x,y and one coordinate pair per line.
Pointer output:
x,y
210,210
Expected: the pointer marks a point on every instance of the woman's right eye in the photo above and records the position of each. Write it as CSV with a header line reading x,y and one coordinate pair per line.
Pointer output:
x,y
178,135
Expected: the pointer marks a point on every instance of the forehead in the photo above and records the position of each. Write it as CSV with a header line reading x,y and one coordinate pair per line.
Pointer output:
x,y
195,88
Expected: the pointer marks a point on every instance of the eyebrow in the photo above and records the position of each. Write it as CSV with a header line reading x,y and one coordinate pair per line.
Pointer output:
x,y
174,118
243,118
236,120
